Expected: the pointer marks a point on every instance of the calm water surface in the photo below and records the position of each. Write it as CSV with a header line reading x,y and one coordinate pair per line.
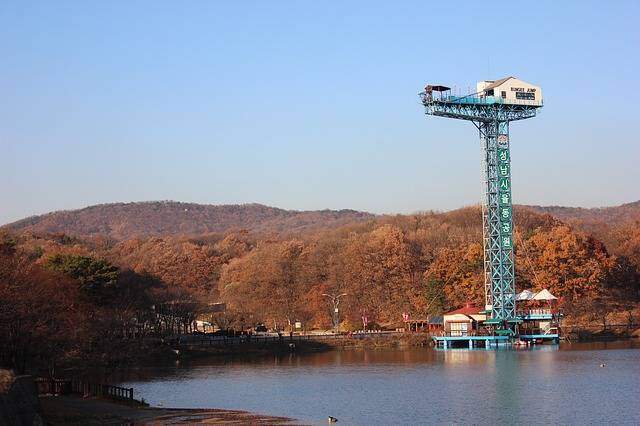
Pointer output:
x,y
549,384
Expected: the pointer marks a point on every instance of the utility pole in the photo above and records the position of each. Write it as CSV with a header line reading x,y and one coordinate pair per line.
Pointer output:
x,y
335,313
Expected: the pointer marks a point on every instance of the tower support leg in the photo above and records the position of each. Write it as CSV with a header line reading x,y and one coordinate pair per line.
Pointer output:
x,y
498,220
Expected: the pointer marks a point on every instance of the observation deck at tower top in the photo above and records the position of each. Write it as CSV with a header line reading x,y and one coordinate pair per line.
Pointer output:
x,y
507,99
479,108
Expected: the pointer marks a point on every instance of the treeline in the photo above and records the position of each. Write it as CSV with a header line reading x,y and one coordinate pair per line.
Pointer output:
x,y
78,308
97,297
421,265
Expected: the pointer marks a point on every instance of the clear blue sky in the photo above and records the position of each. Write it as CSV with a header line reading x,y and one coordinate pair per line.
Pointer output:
x,y
308,105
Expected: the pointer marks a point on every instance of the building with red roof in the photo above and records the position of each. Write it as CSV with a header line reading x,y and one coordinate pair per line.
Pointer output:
x,y
463,321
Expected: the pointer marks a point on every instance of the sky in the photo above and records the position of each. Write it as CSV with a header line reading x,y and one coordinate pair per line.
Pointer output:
x,y
308,105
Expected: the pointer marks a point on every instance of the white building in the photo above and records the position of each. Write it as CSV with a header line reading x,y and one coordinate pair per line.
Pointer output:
x,y
463,321
510,90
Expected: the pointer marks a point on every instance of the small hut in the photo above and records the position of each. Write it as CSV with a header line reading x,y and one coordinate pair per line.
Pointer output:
x,y
463,321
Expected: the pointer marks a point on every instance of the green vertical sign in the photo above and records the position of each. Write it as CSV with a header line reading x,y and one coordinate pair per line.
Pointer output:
x,y
504,193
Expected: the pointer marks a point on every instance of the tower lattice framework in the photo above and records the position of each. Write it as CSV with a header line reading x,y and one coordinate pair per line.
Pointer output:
x,y
491,117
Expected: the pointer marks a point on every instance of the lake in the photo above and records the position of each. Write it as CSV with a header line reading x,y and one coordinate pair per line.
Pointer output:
x,y
548,384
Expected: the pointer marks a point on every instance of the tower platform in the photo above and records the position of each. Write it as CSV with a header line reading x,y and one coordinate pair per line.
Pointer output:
x,y
487,342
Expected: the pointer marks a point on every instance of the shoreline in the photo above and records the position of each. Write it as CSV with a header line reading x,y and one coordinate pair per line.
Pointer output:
x,y
75,410
166,357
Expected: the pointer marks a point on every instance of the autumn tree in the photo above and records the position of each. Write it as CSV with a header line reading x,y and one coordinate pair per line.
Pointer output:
x,y
268,282
382,273
568,263
38,314
461,272
434,300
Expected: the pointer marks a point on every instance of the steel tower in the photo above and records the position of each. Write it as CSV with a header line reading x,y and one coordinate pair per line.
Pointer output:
x,y
491,115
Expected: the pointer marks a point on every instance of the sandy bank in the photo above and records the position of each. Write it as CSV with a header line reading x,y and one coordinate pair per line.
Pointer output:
x,y
73,410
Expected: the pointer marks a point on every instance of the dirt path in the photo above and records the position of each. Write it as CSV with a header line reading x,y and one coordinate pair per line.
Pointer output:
x,y
73,410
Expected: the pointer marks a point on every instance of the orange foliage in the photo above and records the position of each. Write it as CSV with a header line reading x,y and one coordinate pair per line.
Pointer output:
x,y
461,271
420,264
568,263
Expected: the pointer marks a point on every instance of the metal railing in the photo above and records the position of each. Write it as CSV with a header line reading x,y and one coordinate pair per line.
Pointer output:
x,y
461,333
480,100
53,386
541,311
102,390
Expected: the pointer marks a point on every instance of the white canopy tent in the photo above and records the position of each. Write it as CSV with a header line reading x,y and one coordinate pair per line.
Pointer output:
x,y
525,295
544,294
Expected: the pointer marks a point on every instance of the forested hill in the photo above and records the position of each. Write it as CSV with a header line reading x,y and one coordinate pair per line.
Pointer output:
x,y
122,221
612,215
618,227
387,265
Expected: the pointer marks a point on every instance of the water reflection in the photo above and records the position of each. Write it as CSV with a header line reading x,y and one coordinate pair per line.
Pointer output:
x,y
549,384
454,358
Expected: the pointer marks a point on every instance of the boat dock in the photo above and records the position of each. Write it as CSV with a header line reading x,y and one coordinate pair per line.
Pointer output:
x,y
487,342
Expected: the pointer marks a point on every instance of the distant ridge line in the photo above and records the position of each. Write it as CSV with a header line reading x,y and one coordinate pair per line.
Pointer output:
x,y
125,220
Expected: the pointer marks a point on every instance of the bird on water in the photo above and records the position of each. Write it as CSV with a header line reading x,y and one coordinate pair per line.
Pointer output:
x,y
332,419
